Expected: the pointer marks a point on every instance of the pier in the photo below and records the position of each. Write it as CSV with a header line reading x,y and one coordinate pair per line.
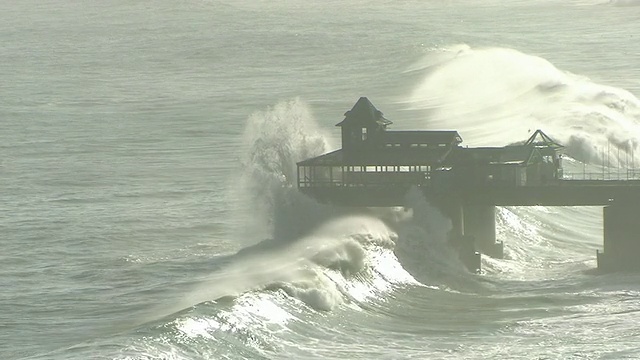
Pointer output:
x,y
378,167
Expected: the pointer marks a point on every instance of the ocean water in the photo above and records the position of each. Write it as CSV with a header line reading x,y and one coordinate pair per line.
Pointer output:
x,y
148,207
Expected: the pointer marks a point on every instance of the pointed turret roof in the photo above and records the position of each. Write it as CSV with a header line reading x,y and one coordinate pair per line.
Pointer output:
x,y
540,139
364,114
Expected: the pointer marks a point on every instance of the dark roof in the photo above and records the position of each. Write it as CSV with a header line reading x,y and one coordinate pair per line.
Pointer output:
x,y
364,114
333,158
413,156
540,139
422,137
508,155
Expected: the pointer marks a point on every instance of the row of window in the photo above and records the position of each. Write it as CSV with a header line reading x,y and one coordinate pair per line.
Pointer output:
x,y
388,168
369,168
397,145
336,173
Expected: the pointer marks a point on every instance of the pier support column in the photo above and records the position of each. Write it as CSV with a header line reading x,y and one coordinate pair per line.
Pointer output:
x,y
454,210
621,238
480,222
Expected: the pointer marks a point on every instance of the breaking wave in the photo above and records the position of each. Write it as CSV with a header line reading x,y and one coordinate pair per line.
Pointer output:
x,y
315,258
496,94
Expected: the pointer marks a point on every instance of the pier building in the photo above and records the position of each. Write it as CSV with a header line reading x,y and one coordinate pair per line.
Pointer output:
x,y
378,167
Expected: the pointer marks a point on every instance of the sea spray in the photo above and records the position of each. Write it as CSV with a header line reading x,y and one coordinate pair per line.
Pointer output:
x,y
312,252
423,245
316,255
495,96
274,141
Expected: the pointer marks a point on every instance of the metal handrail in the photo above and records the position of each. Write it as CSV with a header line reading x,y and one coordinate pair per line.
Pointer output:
x,y
626,175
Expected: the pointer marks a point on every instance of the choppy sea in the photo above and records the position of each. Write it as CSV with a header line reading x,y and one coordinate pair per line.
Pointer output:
x,y
148,207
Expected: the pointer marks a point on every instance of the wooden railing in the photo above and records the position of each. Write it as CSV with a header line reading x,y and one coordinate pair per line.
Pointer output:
x,y
352,179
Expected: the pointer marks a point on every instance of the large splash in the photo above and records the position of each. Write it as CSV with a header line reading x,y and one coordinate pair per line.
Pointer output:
x,y
274,140
315,253
496,96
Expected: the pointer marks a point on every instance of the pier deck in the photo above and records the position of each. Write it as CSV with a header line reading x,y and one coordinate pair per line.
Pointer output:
x,y
376,167
558,193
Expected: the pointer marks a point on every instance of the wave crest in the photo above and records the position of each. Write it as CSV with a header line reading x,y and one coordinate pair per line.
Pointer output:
x,y
494,96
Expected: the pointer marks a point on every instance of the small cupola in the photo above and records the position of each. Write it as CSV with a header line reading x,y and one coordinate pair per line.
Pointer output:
x,y
362,127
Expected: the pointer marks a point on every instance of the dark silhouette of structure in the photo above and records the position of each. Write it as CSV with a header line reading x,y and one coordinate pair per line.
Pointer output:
x,y
378,167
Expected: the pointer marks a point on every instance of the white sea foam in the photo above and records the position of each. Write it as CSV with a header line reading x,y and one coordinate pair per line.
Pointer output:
x,y
498,95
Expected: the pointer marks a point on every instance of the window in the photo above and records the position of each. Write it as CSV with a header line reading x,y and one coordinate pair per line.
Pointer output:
x,y
364,134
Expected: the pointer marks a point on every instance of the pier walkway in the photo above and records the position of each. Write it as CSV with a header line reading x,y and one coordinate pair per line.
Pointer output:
x,y
556,193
